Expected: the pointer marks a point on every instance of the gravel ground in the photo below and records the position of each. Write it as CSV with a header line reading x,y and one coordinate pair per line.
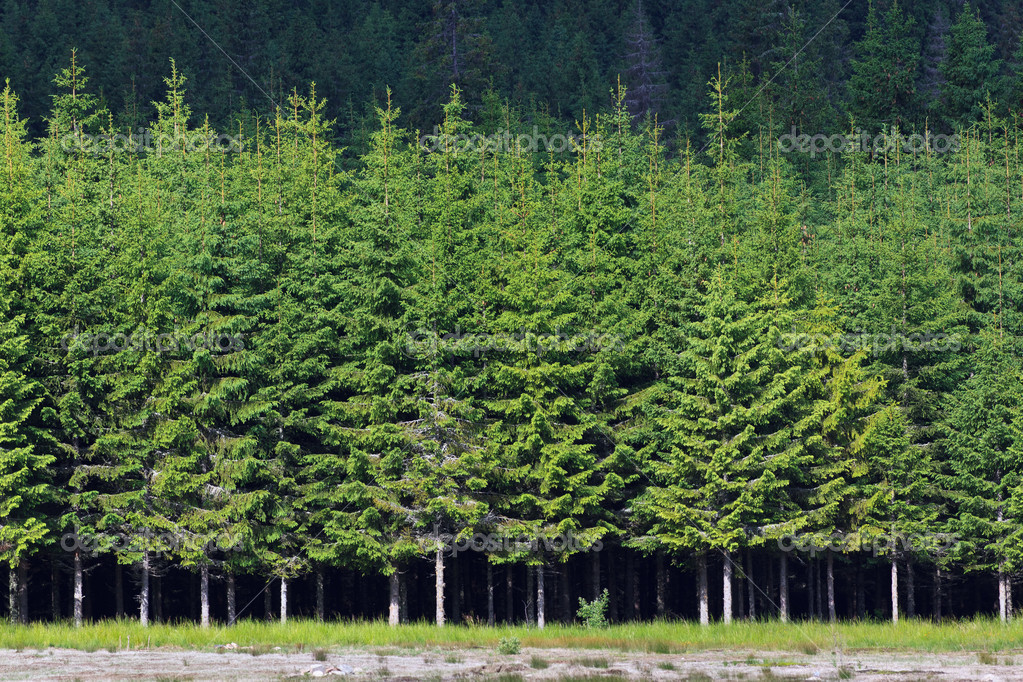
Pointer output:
x,y
531,664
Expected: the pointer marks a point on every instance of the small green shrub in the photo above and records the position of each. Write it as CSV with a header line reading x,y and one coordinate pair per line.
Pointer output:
x,y
594,613
509,646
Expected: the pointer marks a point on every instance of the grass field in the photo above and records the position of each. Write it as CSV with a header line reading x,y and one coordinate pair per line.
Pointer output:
x,y
663,637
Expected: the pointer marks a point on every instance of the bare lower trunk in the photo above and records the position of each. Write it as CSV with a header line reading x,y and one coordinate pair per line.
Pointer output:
x,y
530,597
910,591
284,601
702,593
455,590
79,593
158,598
268,603
231,596
144,592
541,599
937,593
439,569
895,590
12,597
832,616
596,575
490,594
783,588
55,592
565,593
662,585
1009,599
402,598
631,587
726,587
861,594
819,603
509,594
1003,610
811,585
393,615
204,595
23,591
119,590
751,587
321,594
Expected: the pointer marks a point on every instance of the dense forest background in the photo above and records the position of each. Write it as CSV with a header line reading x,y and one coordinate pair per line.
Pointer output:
x,y
556,58
390,351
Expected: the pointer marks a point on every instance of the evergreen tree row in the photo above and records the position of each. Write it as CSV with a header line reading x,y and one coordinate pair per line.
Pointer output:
x,y
458,358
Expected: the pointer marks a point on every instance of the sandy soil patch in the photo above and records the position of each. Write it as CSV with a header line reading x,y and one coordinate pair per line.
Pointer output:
x,y
531,664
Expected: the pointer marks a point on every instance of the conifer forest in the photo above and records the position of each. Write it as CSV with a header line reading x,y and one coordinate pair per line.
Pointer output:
x,y
463,310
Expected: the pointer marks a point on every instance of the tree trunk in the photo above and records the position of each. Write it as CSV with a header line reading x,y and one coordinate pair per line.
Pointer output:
x,y
937,593
1009,599
13,603
490,594
832,616
541,599
456,592
861,593
79,594
439,570
144,592
702,593
811,585
895,590
158,598
751,586
393,609
509,594
783,587
1003,613
192,601
596,575
910,591
321,594
739,605
631,586
726,587
530,597
268,603
55,592
284,601
662,585
204,595
402,598
613,603
565,594
23,592
819,604
118,589
231,596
